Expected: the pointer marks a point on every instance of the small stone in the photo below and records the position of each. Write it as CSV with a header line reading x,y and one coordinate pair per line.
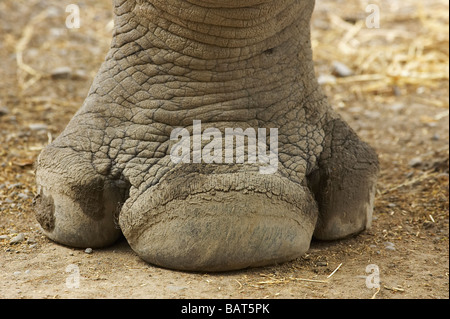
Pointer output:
x,y
326,79
4,237
61,73
15,185
389,246
80,75
372,115
322,264
415,162
4,110
391,205
57,32
421,90
176,288
22,196
341,70
397,107
17,273
88,251
17,239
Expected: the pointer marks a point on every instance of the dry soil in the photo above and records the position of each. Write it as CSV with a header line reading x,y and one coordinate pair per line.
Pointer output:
x,y
395,97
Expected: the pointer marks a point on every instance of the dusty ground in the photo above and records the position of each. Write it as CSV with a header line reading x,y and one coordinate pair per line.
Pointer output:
x,y
396,99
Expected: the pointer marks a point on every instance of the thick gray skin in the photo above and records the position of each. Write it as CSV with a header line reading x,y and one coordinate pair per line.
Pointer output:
x,y
233,63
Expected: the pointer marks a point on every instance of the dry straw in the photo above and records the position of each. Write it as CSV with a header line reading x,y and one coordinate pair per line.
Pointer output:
x,y
409,50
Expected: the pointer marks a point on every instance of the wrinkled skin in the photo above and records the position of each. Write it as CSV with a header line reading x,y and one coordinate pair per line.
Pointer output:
x,y
236,64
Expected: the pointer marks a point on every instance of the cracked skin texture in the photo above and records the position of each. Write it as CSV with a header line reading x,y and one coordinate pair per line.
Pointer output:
x,y
230,64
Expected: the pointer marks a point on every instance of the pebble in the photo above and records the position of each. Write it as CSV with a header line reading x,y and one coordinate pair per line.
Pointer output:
x,y
61,73
57,32
341,70
397,91
80,75
88,251
326,79
22,196
17,239
4,237
415,162
436,137
15,185
397,107
175,288
3,110
53,12
389,246
372,114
